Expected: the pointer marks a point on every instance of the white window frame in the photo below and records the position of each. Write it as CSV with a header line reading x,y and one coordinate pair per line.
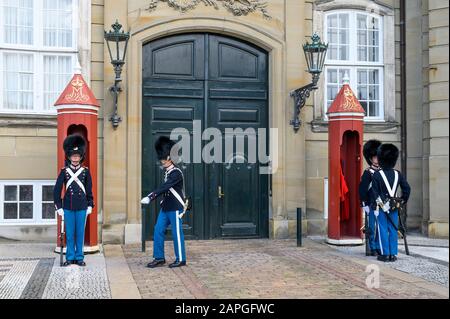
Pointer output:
x,y
352,63
37,203
38,50
354,84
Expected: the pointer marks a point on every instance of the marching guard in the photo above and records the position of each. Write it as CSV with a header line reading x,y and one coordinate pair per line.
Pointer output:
x,y
385,184
172,207
366,196
78,198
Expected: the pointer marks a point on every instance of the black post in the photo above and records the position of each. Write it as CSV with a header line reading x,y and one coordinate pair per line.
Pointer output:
x,y
143,222
299,227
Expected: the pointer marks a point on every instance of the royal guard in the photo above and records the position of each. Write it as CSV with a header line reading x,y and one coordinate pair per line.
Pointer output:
x,y
78,199
385,184
173,207
366,197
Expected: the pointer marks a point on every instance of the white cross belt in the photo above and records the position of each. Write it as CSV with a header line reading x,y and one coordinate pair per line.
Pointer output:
x,y
74,178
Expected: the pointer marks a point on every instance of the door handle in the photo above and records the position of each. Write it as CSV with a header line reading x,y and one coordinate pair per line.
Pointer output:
x,y
220,194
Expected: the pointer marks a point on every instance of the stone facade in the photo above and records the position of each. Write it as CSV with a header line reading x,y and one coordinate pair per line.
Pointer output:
x,y
303,157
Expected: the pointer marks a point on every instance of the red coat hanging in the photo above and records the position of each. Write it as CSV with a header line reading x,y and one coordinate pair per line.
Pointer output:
x,y
345,201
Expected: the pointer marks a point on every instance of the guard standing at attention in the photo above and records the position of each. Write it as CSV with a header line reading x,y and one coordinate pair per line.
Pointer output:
x,y
366,196
78,199
385,183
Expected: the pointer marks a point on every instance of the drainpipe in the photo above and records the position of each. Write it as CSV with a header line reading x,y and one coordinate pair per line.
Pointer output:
x,y
404,152
403,127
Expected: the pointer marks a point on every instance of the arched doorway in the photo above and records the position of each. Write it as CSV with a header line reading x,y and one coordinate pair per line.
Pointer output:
x,y
222,82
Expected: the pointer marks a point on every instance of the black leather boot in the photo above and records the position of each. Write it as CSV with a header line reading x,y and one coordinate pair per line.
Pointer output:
x,y
156,263
177,264
383,258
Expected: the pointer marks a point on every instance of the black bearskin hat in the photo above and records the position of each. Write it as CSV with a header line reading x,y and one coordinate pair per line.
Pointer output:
x,y
370,150
387,156
163,146
74,144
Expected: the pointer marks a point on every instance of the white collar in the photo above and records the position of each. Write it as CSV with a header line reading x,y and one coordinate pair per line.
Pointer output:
x,y
74,167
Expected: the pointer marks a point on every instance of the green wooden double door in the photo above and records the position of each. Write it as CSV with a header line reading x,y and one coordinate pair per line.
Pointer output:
x,y
221,82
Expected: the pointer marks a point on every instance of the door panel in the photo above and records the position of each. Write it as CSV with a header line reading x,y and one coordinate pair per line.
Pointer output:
x,y
233,60
177,57
237,98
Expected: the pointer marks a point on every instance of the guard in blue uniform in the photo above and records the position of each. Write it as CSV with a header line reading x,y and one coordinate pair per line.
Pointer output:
x,y
366,197
172,205
78,199
385,184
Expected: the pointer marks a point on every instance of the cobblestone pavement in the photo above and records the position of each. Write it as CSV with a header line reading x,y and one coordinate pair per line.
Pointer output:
x,y
39,275
267,269
430,269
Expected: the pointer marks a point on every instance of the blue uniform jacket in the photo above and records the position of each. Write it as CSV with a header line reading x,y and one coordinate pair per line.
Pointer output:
x,y
379,188
173,178
366,196
74,197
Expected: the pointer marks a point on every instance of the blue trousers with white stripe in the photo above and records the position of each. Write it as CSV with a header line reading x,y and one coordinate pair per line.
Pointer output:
x,y
75,222
374,243
164,219
388,233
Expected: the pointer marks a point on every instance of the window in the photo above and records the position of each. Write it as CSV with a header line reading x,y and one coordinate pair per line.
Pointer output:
x,y
18,81
27,202
57,73
37,53
18,21
355,49
58,29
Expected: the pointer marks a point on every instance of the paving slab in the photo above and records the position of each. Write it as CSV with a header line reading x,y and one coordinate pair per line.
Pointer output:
x,y
120,278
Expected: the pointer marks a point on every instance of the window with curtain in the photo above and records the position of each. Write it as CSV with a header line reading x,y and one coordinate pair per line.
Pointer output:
x,y
18,21
57,73
356,51
18,86
57,31
38,50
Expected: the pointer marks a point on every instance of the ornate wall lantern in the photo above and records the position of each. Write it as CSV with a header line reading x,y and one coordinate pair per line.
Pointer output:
x,y
315,54
119,41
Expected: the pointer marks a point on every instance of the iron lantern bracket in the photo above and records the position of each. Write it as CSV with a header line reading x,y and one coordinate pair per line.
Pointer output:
x,y
300,96
115,89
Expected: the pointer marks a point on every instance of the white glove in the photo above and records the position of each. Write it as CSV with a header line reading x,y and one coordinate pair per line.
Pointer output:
x,y
366,209
60,212
376,212
89,210
147,199
386,207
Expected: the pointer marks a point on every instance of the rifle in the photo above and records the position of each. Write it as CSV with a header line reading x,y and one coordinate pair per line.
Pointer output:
x,y
61,242
366,231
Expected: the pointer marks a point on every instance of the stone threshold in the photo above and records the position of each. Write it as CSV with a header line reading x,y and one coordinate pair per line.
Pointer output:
x,y
121,281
